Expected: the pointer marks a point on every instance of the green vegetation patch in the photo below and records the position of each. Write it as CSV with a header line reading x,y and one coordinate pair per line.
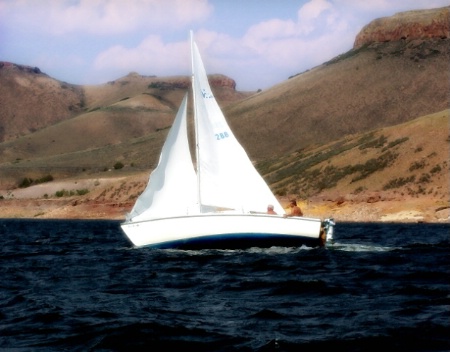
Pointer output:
x,y
118,165
309,173
27,181
398,182
396,142
347,55
66,193
370,142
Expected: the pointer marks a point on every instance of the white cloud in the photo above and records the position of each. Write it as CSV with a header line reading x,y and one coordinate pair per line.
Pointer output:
x,y
151,56
104,16
291,45
312,9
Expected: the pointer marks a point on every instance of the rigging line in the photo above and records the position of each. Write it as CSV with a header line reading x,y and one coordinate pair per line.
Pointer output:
x,y
197,147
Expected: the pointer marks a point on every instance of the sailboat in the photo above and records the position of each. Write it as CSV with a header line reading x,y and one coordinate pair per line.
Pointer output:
x,y
220,201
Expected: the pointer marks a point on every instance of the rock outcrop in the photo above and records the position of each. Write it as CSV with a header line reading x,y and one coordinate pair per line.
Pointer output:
x,y
179,82
12,66
420,24
217,80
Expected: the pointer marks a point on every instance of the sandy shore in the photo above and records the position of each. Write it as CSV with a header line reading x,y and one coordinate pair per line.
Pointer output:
x,y
112,198
73,208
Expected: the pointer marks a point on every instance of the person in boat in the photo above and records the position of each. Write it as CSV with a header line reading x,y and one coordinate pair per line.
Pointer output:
x,y
295,209
270,210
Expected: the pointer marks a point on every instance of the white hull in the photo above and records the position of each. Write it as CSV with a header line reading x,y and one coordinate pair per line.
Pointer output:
x,y
222,230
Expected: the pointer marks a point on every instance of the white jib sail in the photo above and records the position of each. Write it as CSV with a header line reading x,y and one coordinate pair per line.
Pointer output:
x,y
171,190
228,178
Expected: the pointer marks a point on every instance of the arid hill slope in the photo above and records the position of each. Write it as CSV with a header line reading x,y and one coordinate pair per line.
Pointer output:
x,y
31,100
396,173
374,86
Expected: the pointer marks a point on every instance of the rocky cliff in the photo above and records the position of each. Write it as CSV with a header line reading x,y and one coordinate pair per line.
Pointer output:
x,y
420,24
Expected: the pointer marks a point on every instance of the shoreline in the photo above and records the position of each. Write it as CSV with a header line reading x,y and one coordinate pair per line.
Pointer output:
x,y
395,211
111,198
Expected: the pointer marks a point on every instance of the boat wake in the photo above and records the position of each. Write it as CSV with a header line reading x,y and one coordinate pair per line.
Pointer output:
x,y
357,247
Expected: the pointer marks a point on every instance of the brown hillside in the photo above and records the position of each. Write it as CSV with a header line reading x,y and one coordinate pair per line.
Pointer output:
x,y
131,107
375,86
398,173
399,164
31,100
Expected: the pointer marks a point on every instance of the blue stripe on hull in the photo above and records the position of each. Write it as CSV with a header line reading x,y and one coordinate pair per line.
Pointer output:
x,y
240,241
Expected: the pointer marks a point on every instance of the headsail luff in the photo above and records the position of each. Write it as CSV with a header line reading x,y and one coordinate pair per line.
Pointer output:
x,y
171,187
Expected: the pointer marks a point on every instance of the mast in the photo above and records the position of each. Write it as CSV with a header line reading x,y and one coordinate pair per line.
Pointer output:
x,y
197,147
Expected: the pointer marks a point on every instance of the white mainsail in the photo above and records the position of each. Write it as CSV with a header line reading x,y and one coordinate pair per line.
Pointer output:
x,y
227,177
171,189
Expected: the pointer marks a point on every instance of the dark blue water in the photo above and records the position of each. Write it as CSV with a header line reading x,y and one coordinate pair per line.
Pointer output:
x,y
80,286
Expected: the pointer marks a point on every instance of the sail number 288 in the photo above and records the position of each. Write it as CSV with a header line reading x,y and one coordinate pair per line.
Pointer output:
x,y
221,135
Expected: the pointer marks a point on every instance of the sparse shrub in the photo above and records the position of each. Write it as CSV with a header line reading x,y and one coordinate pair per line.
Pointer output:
x,y
396,142
436,169
26,182
375,143
60,193
118,165
398,182
425,178
365,138
417,165
373,165
82,192
44,179
421,190
359,190
66,193
281,192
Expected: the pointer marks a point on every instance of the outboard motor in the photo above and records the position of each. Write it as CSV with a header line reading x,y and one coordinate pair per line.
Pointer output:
x,y
328,225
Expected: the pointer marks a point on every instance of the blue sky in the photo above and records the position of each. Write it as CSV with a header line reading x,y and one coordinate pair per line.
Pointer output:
x,y
258,43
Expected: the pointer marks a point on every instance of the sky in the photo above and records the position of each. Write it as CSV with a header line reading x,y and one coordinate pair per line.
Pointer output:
x,y
258,43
